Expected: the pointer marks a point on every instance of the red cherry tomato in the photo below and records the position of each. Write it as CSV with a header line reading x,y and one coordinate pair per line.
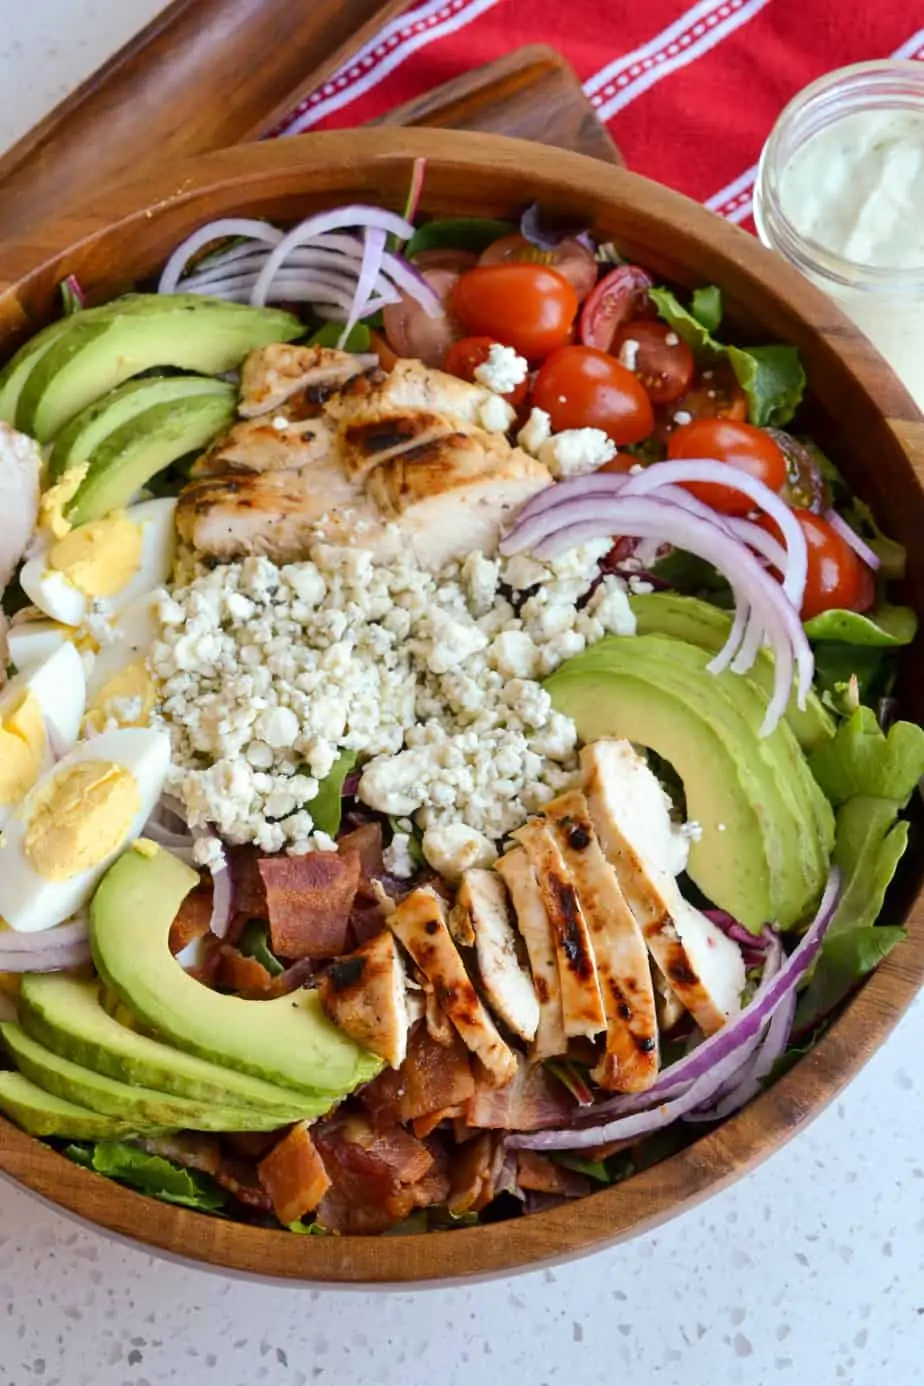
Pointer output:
x,y
739,445
528,307
580,387
444,257
837,578
621,296
412,332
466,355
570,258
658,356
715,394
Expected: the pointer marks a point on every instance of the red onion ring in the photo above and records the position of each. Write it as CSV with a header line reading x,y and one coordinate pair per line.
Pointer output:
x,y
853,540
213,231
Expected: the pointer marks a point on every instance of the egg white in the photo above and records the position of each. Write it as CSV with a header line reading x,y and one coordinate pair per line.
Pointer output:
x,y
28,901
59,687
32,642
57,597
133,635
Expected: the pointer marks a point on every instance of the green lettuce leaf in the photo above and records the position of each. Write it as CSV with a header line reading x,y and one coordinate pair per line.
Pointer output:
x,y
254,943
887,626
890,553
359,338
706,307
308,1229
160,1178
594,1169
326,809
458,233
869,844
771,376
861,759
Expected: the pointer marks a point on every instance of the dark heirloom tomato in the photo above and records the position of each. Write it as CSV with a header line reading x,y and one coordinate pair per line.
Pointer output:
x,y
580,387
412,332
465,356
620,297
740,445
528,307
570,258
658,356
837,578
715,394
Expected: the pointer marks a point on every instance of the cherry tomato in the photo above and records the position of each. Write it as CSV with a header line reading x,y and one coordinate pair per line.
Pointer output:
x,y
621,296
715,394
411,332
444,257
528,307
580,387
658,356
806,487
467,354
570,258
837,578
740,445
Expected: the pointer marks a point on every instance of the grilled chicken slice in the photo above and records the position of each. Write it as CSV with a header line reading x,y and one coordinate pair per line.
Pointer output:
x,y
411,386
20,469
266,445
366,995
581,1002
363,445
631,1060
482,899
630,813
273,513
536,932
273,374
420,924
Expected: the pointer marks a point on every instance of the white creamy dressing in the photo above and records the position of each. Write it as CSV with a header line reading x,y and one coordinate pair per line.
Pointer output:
x,y
856,188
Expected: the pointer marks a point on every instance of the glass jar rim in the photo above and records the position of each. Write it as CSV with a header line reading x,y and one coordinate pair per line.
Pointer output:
x,y
877,85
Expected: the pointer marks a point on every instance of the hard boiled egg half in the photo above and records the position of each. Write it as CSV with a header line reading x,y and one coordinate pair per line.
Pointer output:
x,y
120,689
101,567
40,716
74,822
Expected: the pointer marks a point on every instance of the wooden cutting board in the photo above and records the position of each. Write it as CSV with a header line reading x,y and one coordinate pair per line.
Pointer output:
x,y
166,96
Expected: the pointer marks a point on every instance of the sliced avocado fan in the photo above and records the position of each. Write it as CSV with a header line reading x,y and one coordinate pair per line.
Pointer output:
x,y
42,1114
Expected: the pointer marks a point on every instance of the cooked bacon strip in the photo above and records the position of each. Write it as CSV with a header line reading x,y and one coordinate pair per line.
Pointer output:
x,y
293,1175
249,892
242,975
193,919
473,1171
365,994
533,1100
423,1126
581,1002
631,1060
539,1173
431,1079
533,922
482,901
204,1152
366,841
420,923
379,1175
309,901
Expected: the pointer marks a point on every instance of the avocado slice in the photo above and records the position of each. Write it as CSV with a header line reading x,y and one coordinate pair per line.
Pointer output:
x,y
82,1086
288,1041
701,623
42,1114
762,853
65,1015
78,440
143,446
95,354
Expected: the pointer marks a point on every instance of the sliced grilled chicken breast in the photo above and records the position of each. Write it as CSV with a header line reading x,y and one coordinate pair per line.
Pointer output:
x,y
581,1002
536,932
366,995
365,444
630,813
20,470
631,1060
413,386
419,923
266,445
273,374
483,899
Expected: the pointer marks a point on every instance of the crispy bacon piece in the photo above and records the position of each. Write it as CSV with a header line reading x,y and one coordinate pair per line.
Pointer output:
x,y
425,1125
366,841
192,920
293,1175
308,902
379,1175
204,1152
249,890
473,1171
539,1173
531,1102
242,975
431,1079
365,994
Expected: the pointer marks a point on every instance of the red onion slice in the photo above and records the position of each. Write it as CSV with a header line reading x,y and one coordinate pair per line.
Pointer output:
x,y
710,1065
222,899
339,219
412,282
373,253
48,959
213,231
750,1080
72,934
852,538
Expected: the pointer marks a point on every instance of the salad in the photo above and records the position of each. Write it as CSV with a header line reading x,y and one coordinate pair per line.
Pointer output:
x,y
448,756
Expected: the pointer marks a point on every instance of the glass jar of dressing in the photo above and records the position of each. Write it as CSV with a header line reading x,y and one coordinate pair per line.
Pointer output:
x,y
840,194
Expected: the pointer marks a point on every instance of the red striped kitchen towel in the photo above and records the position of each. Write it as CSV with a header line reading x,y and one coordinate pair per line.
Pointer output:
x,y
689,94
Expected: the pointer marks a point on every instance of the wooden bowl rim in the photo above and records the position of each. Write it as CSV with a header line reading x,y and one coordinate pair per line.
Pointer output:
x,y
721,1155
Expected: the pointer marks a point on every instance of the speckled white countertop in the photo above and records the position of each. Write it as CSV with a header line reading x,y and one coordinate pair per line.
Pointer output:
x,y
810,1272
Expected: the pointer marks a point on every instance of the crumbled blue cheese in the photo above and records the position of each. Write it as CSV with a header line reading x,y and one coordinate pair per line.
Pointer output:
x,y
576,451
397,856
503,371
455,848
496,415
536,431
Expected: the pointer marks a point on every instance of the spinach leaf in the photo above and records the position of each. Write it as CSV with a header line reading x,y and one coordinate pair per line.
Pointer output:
x,y
458,233
254,943
359,338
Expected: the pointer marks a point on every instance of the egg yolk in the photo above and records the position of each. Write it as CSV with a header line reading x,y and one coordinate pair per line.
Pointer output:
x,y
127,698
99,558
81,817
51,513
22,746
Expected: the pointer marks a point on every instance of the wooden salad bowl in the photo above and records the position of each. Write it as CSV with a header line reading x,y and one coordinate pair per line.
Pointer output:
x,y
857,410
